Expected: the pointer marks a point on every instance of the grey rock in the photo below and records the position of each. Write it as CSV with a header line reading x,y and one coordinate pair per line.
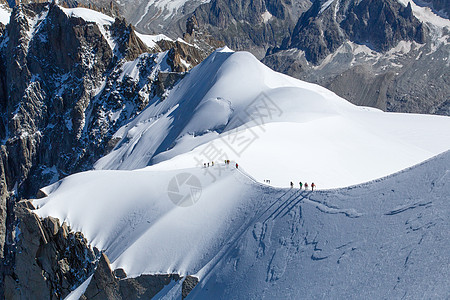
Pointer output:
x,y
381,24
103,284
49,262
120,273
189,284
106,284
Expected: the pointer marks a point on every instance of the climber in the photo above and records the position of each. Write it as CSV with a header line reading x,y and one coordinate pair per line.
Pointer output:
x,y
301,184
313,186
292,184
306,185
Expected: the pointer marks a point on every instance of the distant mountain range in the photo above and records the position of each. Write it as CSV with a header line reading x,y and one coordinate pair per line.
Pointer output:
x,y
381,53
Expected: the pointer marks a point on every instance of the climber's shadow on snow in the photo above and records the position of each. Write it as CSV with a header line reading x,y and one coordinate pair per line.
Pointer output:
x,y
294,196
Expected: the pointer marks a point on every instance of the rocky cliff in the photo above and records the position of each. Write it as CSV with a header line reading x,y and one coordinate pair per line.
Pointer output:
x,y
50,260
371,52
68,81
381,24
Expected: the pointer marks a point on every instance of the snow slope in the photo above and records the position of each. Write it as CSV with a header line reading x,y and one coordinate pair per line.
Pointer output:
x,y
151,40
384,239
278,128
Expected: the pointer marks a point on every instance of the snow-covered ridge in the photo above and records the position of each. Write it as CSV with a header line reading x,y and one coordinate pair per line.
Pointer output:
x,y
276,127
151,40
238,228
5,14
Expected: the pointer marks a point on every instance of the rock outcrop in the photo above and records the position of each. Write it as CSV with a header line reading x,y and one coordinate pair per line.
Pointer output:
x,y
106,284
50,260
66,86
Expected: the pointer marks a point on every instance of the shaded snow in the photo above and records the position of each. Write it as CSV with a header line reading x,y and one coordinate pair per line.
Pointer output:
x,y
79,291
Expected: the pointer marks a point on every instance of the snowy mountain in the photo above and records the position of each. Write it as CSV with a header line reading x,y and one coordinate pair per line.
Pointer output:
x,y
380,53
157,218
241,237
150,16
276,127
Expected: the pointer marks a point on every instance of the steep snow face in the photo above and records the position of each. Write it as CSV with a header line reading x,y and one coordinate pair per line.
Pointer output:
x,y
276,127
243,239
386,239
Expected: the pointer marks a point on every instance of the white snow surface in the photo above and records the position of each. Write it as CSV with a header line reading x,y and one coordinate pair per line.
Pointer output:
x,y
243,239
88,15
325,5
4,15
384,239
276,127
151,40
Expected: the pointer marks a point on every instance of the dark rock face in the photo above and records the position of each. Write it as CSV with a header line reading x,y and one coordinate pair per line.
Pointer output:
x,y
64,92
380,24
105,284
128,43
249,25
50,260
